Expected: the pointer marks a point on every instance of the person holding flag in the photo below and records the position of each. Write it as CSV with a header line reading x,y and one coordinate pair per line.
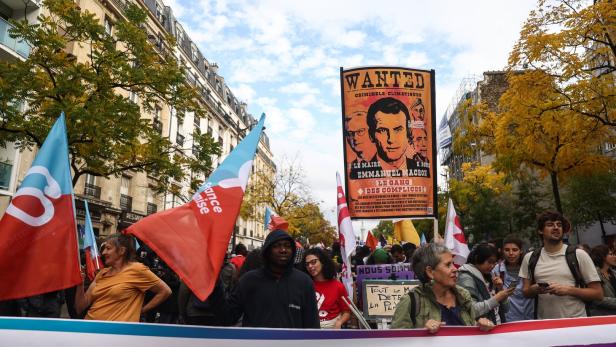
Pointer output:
x,y
118,291
192,239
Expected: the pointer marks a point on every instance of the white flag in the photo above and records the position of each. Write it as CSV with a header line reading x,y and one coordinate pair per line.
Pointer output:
x,y
454,237
347,238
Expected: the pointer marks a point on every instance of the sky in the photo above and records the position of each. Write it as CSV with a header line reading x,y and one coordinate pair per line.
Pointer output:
x,y
283,58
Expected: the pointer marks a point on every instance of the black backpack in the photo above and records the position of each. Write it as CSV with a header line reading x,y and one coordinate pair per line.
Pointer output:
x,y
572,263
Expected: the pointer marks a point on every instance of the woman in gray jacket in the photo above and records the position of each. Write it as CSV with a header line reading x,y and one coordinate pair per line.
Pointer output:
x,y
475,276
605,261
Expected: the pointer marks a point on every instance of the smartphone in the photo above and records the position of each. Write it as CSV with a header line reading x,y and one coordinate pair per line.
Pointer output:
x,y
513,284
543,285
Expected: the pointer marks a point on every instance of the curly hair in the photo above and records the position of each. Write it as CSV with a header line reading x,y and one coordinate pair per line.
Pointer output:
x,y
328,268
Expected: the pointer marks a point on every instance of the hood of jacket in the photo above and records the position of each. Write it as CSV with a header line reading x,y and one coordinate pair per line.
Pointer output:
x,y
272,238
472,270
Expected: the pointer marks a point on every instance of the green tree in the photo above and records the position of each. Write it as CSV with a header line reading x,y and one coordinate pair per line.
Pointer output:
x,y
308,224
107,134
385,228
529,198
590,199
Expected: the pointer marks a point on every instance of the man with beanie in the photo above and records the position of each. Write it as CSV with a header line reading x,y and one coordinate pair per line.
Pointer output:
x,y
275,296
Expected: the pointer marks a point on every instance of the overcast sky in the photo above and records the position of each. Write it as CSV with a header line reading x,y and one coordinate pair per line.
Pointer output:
x,y
284,57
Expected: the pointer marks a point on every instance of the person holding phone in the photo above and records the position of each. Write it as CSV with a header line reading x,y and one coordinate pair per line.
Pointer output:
x,y
488,292
520,307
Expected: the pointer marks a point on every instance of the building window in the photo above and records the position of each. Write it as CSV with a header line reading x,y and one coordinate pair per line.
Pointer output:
x,y
126,201
108,25
125,185
5,175
7,156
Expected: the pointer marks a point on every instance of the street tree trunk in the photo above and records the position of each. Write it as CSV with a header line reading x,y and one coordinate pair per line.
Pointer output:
x,y
556,192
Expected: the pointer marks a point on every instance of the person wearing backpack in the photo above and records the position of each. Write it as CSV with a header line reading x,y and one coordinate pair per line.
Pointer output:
x,y
562,279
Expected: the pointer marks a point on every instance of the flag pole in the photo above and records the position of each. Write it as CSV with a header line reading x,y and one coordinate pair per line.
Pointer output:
x,y
356,312
436,235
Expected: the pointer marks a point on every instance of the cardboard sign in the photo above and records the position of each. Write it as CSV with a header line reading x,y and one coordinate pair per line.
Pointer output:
x,y
382,297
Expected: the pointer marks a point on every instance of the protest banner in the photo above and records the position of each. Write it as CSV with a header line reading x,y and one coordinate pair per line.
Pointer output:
x,y
381,297
39,332
389,142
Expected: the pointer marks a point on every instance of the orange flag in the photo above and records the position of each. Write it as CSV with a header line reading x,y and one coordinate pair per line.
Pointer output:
x,y
371,241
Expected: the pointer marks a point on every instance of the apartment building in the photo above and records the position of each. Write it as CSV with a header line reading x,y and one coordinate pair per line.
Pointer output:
x,y
487,88
117,202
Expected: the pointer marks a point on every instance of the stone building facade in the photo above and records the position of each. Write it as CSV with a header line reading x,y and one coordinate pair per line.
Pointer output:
x,y
117,202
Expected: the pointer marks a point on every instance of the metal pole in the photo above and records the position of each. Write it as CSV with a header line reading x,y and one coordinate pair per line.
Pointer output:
x,y
436,235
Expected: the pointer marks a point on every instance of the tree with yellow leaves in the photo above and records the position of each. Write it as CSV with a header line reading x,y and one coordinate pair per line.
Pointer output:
x,y
481,199
574,42
560,105
289,197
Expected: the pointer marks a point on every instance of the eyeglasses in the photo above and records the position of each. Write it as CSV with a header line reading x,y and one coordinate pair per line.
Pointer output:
x,y
359,132
312,262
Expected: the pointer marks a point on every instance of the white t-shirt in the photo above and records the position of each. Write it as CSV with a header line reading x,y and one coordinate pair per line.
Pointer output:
x,y
552,267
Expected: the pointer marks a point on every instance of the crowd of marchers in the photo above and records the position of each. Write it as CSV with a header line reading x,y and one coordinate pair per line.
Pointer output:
x,y
286,285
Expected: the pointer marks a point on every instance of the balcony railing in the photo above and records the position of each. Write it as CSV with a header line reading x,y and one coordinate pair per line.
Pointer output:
x,y
120,4
180,139
126,203
152,208
19,46
92,191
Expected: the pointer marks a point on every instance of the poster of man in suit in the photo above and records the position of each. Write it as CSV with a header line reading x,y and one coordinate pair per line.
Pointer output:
x,y
389,141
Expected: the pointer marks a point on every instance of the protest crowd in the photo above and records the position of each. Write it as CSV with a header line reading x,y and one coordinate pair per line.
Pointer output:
x,y
286,284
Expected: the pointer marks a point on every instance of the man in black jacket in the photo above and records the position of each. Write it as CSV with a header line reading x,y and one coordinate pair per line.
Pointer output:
x,y
274,296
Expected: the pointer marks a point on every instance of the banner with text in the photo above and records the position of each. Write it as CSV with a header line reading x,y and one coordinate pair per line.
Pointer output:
x,y
38,332
388,123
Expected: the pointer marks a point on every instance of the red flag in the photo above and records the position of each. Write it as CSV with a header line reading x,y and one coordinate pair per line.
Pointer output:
x,y
278,223
193,238
371,241
38,234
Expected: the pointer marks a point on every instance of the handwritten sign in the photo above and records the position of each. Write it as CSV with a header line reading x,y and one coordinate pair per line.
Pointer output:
x,y
384,272
382,296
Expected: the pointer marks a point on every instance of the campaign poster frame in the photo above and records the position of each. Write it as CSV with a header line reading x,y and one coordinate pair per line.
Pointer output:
x,y
374,190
